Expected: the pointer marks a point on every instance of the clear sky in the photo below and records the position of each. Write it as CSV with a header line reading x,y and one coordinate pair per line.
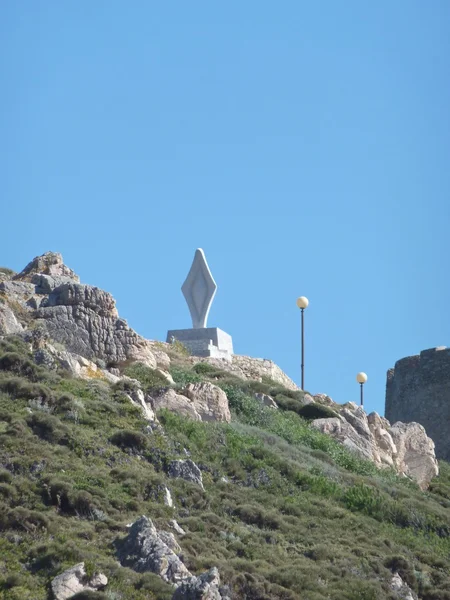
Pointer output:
x,y
305,146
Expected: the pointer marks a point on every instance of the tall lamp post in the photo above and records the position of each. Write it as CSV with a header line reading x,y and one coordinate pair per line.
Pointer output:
x,y
361,378
302,303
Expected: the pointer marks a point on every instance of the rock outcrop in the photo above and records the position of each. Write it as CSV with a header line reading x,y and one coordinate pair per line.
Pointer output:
x,y
209,401
204,587
75,580
401,589
8,321
146,549
404,447
187,470
82,317
199,401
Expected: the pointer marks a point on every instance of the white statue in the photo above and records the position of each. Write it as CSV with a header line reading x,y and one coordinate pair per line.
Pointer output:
x,y
199,290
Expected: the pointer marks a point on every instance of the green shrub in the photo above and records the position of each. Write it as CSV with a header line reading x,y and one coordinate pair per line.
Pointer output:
x,y
204,368
6,271
21,388
183,376
316,411
48,427
127,439
149,378
365,499
5,476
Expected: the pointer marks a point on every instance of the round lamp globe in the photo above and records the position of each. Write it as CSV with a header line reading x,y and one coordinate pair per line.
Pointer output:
x,y
302,302
361,377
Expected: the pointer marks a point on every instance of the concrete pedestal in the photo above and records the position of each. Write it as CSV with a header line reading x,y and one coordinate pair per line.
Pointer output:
x,y
206,341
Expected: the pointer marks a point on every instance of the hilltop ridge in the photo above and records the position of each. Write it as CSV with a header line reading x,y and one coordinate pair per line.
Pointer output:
x,y
132,470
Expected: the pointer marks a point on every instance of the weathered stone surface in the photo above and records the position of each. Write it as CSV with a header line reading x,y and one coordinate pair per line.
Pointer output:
x,y
246,367
50,263
137,398
187,470
75,580
85,320
418,390
144,549
8,322
415,452
342,431
177,527
203,587
21,293
266,400
45,284
168,501
401,589
209,401
174,402
404,447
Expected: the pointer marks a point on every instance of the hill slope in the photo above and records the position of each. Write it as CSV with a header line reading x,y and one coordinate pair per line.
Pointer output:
x,y
285,511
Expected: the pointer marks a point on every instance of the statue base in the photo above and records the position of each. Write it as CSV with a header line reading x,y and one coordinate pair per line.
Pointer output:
x,y
207,341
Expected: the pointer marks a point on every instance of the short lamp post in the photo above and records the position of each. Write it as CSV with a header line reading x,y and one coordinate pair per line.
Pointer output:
x,y
361,378
302,303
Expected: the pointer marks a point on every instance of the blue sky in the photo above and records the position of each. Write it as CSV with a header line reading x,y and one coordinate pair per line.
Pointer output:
x,y
305,146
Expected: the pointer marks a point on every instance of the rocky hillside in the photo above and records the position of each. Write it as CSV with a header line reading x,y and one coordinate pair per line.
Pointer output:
x,y
130,470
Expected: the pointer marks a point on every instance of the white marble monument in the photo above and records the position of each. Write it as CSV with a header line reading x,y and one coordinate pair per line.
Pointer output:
x,y
199,290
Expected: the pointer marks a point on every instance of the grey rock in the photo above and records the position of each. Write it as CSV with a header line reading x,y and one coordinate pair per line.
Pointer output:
x,y
75,580
401,589
266,400
8,321
342,431
187,470
45,284
177,527
415,452
50,263
85,320
168,501
358,419
203,587
137,398
209,401
178,403
45,358
144,549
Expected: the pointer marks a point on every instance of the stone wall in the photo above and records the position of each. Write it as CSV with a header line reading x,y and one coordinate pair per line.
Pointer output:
x,y
418,389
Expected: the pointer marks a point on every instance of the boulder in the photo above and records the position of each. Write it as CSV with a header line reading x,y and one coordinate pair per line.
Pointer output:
x,y
266,400
174,402
209,401
415,452
8,322
343,431
168,501
177,527
84,319
144,549
401,589
75,580
137,398
404,447
203,587
187,470
50,263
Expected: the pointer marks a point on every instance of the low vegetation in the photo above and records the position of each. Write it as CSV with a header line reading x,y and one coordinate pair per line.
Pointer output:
x,y
287,513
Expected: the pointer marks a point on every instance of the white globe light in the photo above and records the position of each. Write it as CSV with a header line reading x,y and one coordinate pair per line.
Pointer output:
x,y
361,377
302,302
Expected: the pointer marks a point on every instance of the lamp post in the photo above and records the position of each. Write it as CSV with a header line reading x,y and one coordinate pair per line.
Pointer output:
x,y
302,303
361,378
